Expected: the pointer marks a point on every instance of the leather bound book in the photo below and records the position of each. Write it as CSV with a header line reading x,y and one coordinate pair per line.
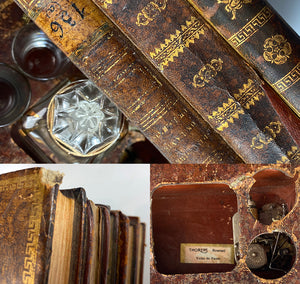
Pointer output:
x,y
112,272
70,238
40,224
96,48
123,248
208,73
141,253
27,209
92,271
133,243
104,242
263,38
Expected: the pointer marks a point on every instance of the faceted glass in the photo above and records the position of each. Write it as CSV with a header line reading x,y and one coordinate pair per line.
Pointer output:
x,y
82,119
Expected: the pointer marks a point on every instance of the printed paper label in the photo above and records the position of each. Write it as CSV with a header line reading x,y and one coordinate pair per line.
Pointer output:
x,y
207,253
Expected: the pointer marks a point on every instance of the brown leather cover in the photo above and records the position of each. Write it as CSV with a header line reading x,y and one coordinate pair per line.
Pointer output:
x,y
27,210
104,242
134,224
194,203
94,46
250,26
141,253
80,234
123,248
208,73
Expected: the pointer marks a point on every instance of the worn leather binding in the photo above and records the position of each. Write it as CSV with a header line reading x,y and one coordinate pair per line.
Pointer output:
x,y
263,38
104,242
208,73
90,41
27,208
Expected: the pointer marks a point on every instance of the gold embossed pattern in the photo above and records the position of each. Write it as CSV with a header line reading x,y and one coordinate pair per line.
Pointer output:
x,y
226,114
249,94
177,42
277,49
21,210
207,72
150,12
233,5
252,26
104,3
288,80
270,132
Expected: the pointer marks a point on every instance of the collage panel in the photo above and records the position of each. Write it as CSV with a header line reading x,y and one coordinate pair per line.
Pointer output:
x,y
224,223
149,141
74,223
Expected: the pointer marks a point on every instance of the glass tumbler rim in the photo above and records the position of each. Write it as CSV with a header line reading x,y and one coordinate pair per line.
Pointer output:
x,y
33,28
14,77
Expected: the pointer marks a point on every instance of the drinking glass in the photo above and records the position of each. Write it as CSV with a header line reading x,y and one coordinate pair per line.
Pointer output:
x,y
36,55
15,94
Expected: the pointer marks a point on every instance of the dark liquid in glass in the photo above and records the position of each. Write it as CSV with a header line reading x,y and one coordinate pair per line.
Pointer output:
x,y
7,96
40,62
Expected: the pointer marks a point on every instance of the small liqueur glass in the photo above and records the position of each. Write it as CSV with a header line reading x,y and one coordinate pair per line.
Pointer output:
x,y
15,94
36,55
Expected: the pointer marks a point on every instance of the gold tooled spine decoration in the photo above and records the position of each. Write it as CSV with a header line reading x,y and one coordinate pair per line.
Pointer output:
x,y
226,114
252,26
284,160
33,234
277,49
249,94
288,80
176,43
207,72
104,3
269,134
150,12
233,5
294,154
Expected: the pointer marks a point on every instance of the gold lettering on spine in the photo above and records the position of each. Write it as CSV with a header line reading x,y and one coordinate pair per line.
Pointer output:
x,y
251,27
234,5
150,12
226,114
177,42
269,134
207,72
288,80
249,94
277,49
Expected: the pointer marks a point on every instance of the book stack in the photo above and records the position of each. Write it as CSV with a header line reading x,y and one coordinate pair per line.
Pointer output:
x,y
204,81
50,235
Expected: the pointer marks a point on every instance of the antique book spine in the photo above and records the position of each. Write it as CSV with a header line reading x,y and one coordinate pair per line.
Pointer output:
x,y
27,210
123,248
208,73
94,46
141,253
263,38
104,242
92,270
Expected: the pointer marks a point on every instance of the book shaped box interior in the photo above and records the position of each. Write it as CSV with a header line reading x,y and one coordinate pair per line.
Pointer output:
x,y
231,223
